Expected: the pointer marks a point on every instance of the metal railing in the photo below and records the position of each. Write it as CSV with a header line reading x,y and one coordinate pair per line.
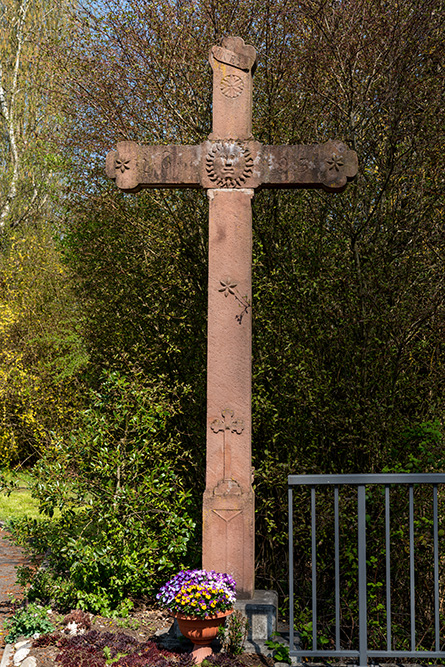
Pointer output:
x,y
388,481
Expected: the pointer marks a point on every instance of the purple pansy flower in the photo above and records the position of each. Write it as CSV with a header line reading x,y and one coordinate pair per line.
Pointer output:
x,y
199,593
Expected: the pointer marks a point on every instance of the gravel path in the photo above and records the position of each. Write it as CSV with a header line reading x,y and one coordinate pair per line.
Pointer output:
x,y
10,558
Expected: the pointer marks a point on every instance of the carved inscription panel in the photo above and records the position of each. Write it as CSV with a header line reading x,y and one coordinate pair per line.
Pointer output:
x,y
330,165
135,167
170,165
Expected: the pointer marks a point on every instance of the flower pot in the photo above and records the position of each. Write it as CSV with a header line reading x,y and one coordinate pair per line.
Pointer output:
x,y
201,631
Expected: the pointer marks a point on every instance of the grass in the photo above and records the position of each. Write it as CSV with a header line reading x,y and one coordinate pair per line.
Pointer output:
x,y
19,503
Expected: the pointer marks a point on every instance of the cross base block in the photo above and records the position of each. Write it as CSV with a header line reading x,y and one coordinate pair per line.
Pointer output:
x,y
261,612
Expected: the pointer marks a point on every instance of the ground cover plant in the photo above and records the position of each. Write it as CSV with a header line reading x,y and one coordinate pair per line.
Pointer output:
x,y
27,621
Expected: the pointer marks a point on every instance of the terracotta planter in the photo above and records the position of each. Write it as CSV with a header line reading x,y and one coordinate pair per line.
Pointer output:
x,y
201,631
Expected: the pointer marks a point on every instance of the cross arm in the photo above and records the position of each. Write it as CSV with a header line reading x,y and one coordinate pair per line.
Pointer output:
x,y
231,164
329,166
135,167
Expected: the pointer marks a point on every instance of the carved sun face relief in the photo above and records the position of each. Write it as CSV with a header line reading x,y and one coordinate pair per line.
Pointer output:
x,y
229,164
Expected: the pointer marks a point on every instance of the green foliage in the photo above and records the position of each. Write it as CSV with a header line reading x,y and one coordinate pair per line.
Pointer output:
x,y
144,301
305,633
126,520
7,485
234,633
39,359
27,621
423,444
280,650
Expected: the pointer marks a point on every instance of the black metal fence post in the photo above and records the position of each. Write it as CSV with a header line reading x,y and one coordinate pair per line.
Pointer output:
x,y
389,481
362,583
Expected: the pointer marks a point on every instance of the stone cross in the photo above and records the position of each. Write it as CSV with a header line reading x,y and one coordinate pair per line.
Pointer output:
x,y
230,165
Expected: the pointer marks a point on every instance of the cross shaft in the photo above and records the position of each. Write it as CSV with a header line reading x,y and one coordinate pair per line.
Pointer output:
x,y
230,165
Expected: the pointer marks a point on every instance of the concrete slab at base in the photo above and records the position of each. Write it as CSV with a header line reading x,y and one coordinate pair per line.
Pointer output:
x,y
261,612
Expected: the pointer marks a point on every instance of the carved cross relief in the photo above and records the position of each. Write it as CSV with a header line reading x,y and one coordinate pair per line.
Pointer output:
x,y
230,165
228,485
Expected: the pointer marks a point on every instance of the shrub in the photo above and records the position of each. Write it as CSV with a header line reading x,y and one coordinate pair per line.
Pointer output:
x,y
126,520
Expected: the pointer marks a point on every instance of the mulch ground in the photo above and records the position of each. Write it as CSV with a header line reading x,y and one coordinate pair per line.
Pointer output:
x,y
142,625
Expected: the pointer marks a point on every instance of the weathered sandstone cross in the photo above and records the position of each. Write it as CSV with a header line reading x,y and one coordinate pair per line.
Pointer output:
x,y
230,165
